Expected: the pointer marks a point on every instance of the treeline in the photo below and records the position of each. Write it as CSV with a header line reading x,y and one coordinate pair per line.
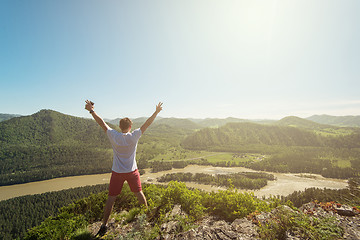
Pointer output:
x,y
20,164
287,162
349,195
243,180
308,160
22,213
158,166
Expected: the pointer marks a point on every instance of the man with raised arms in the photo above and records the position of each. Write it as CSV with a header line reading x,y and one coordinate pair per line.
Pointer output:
x,y
124,167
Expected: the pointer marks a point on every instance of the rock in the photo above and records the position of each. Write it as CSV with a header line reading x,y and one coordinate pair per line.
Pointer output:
x,y
244,226
345,211
211,229
169,227
176,211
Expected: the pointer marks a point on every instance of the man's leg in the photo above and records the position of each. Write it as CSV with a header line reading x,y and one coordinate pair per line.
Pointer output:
x,y
108,208
141,197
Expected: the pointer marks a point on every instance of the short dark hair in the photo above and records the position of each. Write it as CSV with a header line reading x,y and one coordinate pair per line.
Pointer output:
x,y
125,123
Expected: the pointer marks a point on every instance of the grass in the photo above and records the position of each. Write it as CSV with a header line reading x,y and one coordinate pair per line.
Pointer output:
x,y
343,163
179,154
334,132
175,154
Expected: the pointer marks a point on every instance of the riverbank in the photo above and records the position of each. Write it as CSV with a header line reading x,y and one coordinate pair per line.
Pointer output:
x,y
285,183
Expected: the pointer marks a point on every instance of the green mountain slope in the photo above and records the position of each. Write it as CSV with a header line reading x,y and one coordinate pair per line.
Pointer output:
x,y
48,127
342,121
234,135
49,144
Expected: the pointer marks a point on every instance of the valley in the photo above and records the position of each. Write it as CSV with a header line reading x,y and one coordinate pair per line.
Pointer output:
x,y
284,184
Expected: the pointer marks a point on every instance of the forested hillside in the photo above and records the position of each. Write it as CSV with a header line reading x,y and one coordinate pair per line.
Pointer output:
x,y
22,213
292,149
233,135
236,135
49,144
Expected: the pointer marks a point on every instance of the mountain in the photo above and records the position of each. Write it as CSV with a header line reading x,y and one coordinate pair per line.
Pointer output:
x,y
178,123
50,144
172,122
48,127
342,121
218,122
293,121
5,116
137,122
234,136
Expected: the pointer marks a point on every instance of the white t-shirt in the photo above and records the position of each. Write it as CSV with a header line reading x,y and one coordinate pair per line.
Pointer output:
x,y
124,147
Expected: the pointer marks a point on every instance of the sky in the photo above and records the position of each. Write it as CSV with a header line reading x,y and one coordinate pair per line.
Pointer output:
x,y
202,58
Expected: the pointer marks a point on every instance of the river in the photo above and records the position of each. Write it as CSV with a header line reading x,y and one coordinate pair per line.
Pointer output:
x,y
284,184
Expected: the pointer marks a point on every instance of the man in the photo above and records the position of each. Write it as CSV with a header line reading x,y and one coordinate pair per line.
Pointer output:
x,y
124,164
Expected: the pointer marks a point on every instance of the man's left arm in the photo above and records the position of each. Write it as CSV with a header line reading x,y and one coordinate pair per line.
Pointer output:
x,y
90,107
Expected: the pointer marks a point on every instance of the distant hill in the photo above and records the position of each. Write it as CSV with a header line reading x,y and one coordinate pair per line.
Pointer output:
x,y
218,122
172,122
293,121
137,122
178,123
5,116
342,121
235,134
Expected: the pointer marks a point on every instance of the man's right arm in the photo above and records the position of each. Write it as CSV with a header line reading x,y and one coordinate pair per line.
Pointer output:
x,y
90,107
150,120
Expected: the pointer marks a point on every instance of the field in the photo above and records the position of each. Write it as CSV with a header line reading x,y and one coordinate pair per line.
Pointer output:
x,y
180,154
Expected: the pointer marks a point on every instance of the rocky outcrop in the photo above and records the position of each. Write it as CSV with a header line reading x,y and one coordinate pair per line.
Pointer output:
x,y
210,227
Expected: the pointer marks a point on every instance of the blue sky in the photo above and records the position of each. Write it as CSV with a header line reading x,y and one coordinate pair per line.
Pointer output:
x,y
202,58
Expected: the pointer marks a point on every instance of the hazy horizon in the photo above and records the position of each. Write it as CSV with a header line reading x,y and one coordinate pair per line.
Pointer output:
x,y
246,59
194,118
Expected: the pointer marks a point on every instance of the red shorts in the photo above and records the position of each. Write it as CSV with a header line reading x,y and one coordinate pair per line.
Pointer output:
x,y
117,181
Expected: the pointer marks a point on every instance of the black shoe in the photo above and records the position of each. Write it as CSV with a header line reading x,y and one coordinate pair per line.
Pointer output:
x,y
101,231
